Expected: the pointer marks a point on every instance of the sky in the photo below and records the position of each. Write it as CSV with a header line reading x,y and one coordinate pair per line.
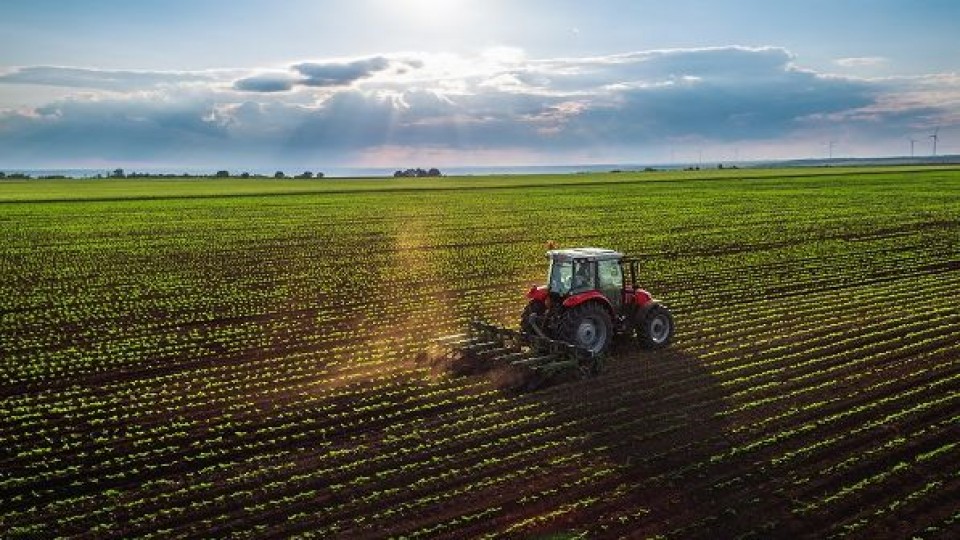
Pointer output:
x,y
252,84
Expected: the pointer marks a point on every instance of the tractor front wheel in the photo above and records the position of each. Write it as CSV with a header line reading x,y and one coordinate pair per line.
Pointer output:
x,y
655,327
588,326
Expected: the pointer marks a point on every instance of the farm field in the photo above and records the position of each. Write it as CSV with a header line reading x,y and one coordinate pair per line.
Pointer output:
x,y
207,358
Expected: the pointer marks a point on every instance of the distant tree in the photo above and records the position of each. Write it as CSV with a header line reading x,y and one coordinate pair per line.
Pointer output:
x,y
244,175
417,173
279,174
306,174
319,175
223,174
3,174
117,173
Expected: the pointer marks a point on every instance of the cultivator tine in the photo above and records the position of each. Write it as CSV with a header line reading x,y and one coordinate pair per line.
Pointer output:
x,y
453,337
535,361
512,357
489,332
479,346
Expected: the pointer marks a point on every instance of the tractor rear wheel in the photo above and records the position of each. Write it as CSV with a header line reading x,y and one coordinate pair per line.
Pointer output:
x,y
588,326
655,328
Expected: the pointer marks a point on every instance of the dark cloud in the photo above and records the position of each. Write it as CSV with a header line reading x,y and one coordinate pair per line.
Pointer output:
x,y
724,108
340,74
265,83
324,74
115,129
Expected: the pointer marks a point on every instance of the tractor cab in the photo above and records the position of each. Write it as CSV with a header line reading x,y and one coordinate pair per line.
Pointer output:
x,y
576,271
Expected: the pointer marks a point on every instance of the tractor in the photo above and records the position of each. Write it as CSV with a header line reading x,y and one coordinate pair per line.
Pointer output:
x,y
587,301
569,323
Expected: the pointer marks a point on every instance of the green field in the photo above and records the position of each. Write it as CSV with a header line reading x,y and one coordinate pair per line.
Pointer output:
x,y
197,358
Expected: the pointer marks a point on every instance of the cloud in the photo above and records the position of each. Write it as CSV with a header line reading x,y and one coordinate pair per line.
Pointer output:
x,y
324,74
99,79
278,82
499,103
653,68
340,74
117,129
907,105
861,61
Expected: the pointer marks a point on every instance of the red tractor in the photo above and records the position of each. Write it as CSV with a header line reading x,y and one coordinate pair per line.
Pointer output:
x,y
569,323
588,301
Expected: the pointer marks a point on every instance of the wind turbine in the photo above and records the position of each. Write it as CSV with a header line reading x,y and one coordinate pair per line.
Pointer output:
x,y
912,142
935,137
830,146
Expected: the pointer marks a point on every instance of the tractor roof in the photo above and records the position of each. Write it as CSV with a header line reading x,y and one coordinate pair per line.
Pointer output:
x,y
592,253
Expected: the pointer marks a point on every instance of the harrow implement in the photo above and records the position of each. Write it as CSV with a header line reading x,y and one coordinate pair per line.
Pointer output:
x,y
529,359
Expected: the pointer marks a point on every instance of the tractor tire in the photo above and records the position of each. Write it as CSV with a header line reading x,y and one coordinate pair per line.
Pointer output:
x,y
655,327
588,326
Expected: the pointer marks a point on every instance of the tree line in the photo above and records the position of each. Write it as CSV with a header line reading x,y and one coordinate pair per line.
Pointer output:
x,y
120,173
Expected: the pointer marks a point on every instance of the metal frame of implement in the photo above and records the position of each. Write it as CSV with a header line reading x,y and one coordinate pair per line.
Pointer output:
x,y
488,343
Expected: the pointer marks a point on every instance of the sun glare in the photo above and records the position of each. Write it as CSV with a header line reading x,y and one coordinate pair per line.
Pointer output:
x,y
428,12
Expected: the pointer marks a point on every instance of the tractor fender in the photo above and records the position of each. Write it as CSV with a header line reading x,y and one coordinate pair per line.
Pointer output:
x,y
639,297
588,296
538,293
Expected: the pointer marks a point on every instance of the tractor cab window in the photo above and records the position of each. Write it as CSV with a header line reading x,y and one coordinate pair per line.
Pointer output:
x,y
560,276
611,280
571,277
